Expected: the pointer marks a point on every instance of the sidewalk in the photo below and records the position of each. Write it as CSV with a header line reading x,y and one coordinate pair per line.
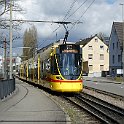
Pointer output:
x,y
102,79
104,85
30,106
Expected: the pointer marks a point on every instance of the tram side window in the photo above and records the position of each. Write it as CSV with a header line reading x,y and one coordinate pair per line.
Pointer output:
x,y
54,69
28,70
42,66
47,65
79,60
36,70
52,65
24,70
41,69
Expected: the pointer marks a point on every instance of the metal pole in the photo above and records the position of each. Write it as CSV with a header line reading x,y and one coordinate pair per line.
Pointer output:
x,y
5,69
122,11
123,48
123,38
3,65
10,39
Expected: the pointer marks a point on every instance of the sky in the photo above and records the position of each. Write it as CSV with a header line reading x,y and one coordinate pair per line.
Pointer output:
x,y
95,16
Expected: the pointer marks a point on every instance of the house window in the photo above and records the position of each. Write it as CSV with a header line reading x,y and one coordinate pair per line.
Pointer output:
x,y
90,67
107,50
113,59
101,47
96,40
119,58
101,67
117,44
101,56
113,46
90,47
90,56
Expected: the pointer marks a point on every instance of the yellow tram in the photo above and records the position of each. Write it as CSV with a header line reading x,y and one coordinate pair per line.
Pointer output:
x,y
57,66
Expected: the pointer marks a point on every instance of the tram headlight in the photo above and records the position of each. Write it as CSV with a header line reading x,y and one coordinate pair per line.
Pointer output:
x,y
81,78
59,78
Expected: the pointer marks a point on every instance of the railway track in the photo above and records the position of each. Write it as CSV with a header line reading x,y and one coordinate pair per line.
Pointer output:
x,y
104,93
103,111
99,110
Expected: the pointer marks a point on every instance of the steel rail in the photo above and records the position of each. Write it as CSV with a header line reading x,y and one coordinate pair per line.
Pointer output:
x,y
105,92
105,112
103,109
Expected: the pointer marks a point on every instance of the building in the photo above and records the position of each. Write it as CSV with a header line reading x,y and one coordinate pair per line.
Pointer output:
x,y
95,56
116,49
16,61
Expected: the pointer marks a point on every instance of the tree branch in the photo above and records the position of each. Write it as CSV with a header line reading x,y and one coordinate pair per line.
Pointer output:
x,y
4,2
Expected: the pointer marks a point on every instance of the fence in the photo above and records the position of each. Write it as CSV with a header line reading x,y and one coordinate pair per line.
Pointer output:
x,y
6,87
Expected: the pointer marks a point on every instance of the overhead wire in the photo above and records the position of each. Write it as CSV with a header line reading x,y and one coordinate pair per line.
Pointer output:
x,y
71,6
77,9
82,15
64,19
72,13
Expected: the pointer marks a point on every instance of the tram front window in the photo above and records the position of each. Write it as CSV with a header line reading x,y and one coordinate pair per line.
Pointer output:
x,y
70,65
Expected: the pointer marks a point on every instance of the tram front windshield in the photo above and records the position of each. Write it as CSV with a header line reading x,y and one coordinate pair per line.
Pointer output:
x,y
70,65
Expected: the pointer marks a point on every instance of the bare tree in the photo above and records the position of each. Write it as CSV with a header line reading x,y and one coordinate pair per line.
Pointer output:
x,y
5,8
30,40
3,4
101,35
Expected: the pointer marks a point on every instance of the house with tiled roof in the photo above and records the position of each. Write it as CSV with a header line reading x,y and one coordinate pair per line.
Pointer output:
x,y
116,49
95,56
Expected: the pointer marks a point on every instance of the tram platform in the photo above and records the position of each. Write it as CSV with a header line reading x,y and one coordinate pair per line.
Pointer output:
x,y
105,84
29,105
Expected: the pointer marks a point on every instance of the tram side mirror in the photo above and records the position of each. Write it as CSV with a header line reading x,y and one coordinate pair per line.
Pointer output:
x,y
80,50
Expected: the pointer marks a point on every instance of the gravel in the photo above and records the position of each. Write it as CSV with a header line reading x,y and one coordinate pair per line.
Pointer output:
x,y
77,116
113,100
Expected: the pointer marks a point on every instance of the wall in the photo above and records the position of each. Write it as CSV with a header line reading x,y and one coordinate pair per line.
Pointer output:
x,y
95,61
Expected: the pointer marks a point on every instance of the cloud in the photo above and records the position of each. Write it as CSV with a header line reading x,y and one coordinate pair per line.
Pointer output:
x,y
98,18
110,1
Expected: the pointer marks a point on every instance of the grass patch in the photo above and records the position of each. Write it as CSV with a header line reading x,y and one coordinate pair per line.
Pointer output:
x,y
119,79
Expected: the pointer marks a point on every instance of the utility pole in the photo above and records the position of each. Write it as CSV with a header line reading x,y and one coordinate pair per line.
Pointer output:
x,y
5,63
122,11
10,65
